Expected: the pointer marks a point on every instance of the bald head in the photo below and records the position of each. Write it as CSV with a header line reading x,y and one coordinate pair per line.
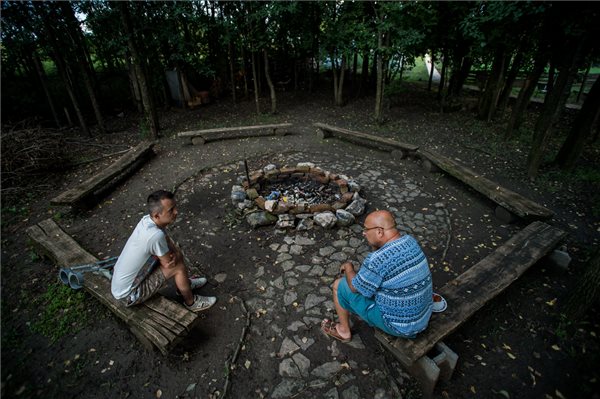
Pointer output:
x,y
381,218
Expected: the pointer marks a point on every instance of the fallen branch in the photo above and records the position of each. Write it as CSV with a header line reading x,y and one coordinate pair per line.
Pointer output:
x,y
231,362
99,158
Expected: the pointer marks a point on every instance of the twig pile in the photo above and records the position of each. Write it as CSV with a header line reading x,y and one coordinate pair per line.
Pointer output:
x,y
307,192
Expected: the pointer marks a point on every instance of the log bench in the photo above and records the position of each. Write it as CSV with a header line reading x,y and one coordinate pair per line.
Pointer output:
x,y
157,323
509,202
200,137
398,149
426,357
91,190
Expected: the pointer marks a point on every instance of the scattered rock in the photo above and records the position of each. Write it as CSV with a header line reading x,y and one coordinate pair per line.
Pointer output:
x,y
287,388
288,347
325,219
344,218
257,219
327,370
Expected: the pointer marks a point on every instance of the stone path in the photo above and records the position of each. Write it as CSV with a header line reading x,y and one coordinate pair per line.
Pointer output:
x,y
291,292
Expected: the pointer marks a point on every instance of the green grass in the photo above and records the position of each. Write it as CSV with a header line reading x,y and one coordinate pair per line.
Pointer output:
x,y
418,72
62,312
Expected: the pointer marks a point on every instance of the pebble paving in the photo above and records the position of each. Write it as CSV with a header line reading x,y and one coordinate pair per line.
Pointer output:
x,y
293,294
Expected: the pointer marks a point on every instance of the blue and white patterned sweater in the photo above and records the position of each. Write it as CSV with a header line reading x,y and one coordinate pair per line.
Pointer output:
x,y
399,277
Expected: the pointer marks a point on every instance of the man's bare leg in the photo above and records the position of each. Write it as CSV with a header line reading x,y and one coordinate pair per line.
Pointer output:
x,y
182,281
343,324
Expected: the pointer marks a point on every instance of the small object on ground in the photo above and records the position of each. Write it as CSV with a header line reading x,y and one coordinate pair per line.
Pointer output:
x,y
201,303
439,303
328,328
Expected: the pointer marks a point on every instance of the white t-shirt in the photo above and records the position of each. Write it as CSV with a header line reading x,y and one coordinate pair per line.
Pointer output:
x,y
146,240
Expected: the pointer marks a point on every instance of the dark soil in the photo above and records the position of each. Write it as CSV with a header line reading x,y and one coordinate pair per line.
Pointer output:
x,y
520,345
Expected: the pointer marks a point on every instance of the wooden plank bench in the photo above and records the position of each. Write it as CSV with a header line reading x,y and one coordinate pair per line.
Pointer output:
x,y
466,294
157,323
88,192
200,137
509,202
398,149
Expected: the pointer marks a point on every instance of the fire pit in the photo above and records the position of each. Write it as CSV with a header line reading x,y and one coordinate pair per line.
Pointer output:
x,y
304,194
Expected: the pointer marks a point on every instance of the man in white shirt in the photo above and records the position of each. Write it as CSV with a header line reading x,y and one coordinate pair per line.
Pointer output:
x,y
150,258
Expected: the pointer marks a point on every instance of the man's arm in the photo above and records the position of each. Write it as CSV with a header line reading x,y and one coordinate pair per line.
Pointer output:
x,y
348,269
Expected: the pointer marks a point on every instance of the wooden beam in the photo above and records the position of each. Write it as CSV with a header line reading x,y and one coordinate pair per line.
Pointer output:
x,y
510,200
119,168
470,291
384,143
195,133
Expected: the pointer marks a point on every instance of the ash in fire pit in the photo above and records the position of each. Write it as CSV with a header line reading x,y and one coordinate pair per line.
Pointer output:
x,y
304,194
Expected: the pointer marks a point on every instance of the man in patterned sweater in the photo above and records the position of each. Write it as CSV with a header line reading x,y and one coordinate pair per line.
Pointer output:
x,y
392,289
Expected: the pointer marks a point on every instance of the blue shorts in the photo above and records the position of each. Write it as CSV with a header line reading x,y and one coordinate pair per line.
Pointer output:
x,y
363,307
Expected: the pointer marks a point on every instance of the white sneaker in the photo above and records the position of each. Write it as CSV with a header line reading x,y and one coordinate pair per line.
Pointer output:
x,y
197,282
201,303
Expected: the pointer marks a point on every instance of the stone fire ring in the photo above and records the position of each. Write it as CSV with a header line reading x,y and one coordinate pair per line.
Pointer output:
x,y
342,212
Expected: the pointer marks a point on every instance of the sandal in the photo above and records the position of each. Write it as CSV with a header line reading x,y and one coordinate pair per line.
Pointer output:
x,y
328,328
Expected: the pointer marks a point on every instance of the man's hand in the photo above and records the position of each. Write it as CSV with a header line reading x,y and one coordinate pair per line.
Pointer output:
x,y
348,269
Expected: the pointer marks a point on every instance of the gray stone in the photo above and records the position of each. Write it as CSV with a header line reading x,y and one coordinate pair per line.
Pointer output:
x,y
278,283
287,388
329,305
288,240
356,228
237,189
257,219
339,243
325,291
303,363
311,321
316,260
351,393
305,224
260,272
287,347
327,370
325,219
285,221
344,218
283,248
304,342
288,368
292,282
303,268
296,325
245,204
270,205
274,247
295,250
269,168
237,197
313,300
357,207
301,240
380,394
333,269
276,329
342,257
316,271
326,251
348,250
353,186
289,297
354,242
560,259
287,265
332,394
220,278
356,342
305,164
283,257
344,378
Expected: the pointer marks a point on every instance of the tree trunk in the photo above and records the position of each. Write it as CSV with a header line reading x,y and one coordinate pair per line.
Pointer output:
x,y
581,130
246,93
516,116
583,81
550,84
510,81
340,90
354,69
493,86
42,75
150,114
553,106
364,80
270,83
442,76
133,85
231,71
255,78
431,71
334,75
379,89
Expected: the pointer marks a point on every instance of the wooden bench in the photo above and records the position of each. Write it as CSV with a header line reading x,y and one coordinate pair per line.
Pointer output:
x,y
88,192
200,137
509,202
158,322
398,149
466,294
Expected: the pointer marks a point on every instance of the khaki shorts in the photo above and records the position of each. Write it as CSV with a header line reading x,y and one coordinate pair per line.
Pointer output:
x,y
149,280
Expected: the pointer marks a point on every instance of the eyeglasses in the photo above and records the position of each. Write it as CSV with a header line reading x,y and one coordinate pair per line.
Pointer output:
x,y
365,229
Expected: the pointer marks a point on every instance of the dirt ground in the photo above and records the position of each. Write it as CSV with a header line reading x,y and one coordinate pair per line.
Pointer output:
x,y
514,347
